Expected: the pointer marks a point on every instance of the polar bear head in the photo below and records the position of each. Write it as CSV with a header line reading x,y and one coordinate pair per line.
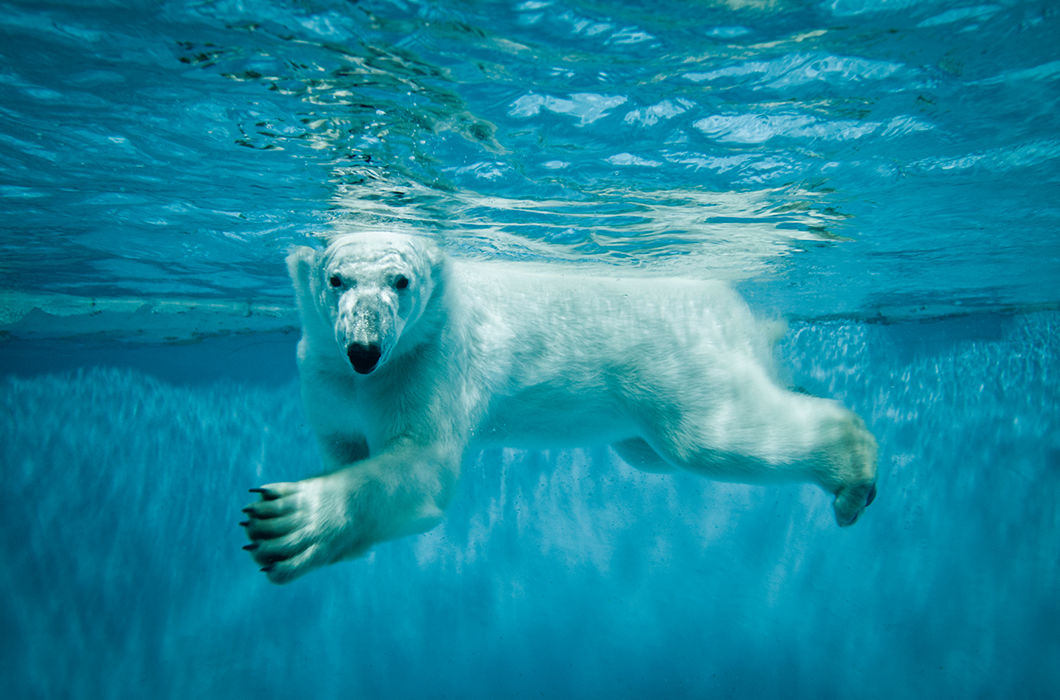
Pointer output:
x,y
365,293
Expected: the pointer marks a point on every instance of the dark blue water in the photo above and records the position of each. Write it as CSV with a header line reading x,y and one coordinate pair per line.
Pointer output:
x,y
884,174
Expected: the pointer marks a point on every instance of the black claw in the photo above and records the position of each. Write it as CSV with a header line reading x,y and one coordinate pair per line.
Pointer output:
x,y
871,497
267,569
248,511
245,523
266,494
250,547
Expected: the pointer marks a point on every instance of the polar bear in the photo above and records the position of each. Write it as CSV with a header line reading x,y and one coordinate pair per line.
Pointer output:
x,y
410,357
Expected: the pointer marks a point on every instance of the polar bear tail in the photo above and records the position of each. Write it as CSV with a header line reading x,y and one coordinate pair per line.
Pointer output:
x,y
773,330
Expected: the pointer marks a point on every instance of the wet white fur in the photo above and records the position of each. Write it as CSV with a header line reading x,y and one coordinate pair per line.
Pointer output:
x,y
672,373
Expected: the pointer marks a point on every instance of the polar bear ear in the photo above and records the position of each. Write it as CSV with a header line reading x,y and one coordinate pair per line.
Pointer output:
x,y
435,255
300,263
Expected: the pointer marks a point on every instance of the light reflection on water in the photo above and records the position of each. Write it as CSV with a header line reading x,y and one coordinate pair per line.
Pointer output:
x,y
801,147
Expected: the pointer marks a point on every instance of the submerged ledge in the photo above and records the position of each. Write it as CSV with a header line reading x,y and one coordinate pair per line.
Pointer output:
x,y
25,315
29,315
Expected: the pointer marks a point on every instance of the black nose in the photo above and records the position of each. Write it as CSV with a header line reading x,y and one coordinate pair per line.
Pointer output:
x,y
363,357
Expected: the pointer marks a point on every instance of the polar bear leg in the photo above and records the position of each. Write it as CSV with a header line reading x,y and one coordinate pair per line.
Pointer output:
x,y
754,431
639,454
297,527
848,466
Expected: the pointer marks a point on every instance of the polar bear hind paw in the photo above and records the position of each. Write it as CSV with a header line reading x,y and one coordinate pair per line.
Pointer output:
x,y
851,502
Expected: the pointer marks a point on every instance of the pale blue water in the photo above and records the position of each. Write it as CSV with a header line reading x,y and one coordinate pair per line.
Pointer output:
x,y
884,174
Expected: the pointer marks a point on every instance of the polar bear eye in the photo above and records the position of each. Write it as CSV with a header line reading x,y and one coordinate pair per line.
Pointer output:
x,y
335,281
402,282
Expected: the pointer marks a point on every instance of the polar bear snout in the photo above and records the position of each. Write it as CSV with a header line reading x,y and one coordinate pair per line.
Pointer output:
x,y
364,358
367,326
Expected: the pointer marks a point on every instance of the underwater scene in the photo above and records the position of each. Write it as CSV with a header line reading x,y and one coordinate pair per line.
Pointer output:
x,y
881,175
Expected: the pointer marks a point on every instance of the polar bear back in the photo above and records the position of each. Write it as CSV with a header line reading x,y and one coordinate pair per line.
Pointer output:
x,y
574,352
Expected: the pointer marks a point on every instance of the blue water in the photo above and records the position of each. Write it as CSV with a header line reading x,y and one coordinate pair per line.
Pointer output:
x,y
883,173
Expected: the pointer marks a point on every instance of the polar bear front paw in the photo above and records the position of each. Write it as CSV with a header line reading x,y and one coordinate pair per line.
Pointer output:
x,y
297,527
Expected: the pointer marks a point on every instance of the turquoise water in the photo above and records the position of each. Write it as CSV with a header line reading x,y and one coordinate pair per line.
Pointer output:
x,y
883,174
